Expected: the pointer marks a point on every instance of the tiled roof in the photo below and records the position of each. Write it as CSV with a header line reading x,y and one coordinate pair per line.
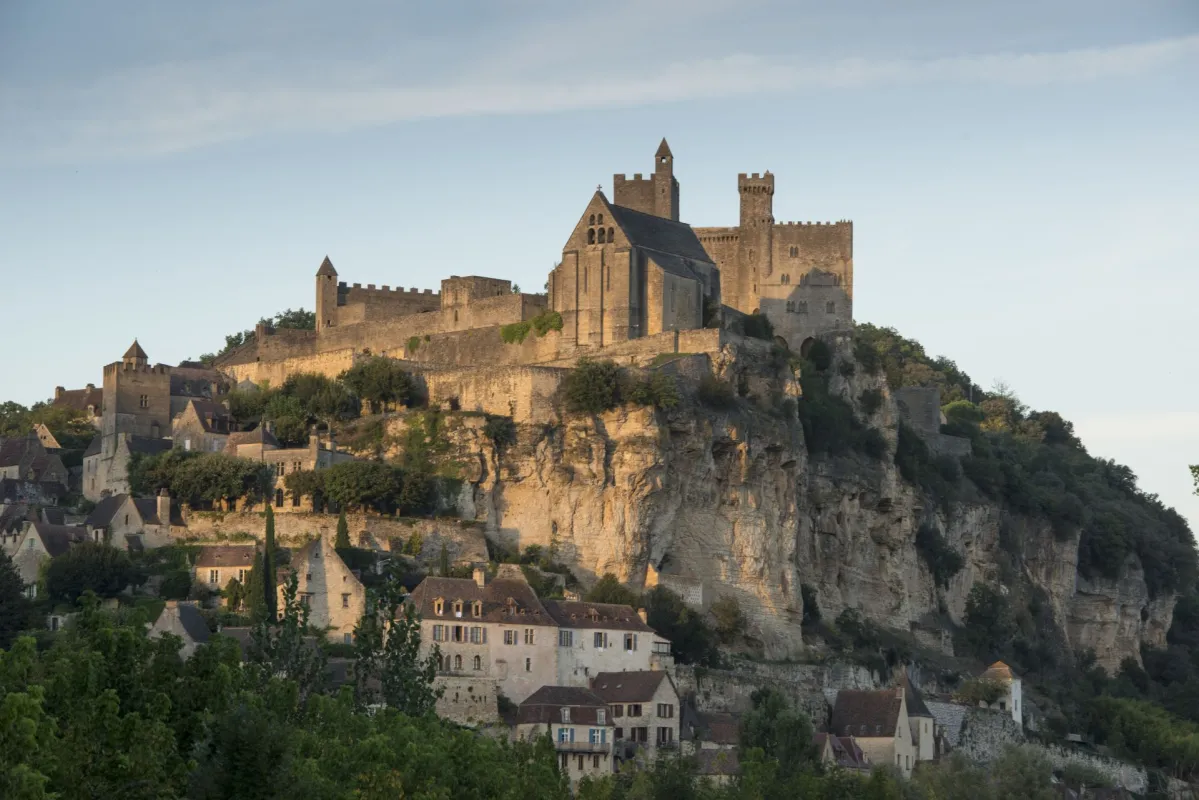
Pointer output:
x,y
257,436
663,149
718,728
57,539
93,449
524,608
212,415
545,705
228,555
865,713
147,509
326,268
579,614
998,671
717,762
193,622
13,451
916,706
102,514
627,687
135,351
81,399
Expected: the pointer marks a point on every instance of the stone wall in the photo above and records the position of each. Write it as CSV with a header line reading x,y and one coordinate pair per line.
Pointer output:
x,y
523,393
804,684
467,701
463,540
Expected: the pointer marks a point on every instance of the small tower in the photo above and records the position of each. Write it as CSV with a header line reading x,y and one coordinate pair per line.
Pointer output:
x,y
666,188
135,356
755,243
326,295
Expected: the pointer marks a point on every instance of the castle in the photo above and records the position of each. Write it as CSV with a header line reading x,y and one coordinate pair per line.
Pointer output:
x,y
632,278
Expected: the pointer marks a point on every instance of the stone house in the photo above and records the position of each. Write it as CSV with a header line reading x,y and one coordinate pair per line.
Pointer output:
x,y
879,721
39,543
181,618
578,723
602,637
334,596
841,751
25,458
89,400
45,436
203,426
13,491
1012,700
645,712
924,725
141,523
497,630
260,444
106,471
216,565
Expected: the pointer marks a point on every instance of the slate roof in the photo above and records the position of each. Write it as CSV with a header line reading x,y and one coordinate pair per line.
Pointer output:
x,y
845,750
148,446
12,516
257,436
545,705
193,622
525,608
80,399
57,539
227,555
866,714
93,449
326,268
607,616
13,451
916,706
54,516
135,351
147,509
661,235
718,728
102,514
213,416
663,149
627,687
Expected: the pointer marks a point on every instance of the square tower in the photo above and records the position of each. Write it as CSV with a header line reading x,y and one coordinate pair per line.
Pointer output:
x,y
137,397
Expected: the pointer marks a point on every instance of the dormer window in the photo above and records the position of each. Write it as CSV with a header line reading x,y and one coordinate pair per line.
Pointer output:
x,y
601,716
457,608
439,606
476,608
566,715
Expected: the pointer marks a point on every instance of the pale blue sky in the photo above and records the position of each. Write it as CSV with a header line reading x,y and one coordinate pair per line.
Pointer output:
x,y
1022,175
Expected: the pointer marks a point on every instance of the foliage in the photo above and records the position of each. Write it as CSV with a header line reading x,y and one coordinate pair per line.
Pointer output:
x,y
730,620
715,393
989,624
1148,733
299,319
414,545
1079,776
270,599
871,400
657,389
828,421
820,355
413,344
72,427
979,690
500,430
691,640
780,731
363,484
343,531
305,483
943,561
609,589
89,567
757,326
176,584
199,478
16,612
381,382
592,387
285,648
541,324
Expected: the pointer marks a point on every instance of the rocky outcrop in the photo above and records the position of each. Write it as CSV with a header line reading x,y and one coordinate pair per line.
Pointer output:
x,y
729,502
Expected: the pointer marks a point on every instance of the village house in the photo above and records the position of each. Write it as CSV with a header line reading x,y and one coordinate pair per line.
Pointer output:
x,y
181,618
37,493
141,523
39,543
203,426
879,722
924,725
578,723
89,400
645,712
260,444
841,751
333,595
26,459
602,637
46,437
216,565
1011,700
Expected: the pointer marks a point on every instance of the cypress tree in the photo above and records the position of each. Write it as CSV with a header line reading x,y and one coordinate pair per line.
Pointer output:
x,y
343,531
269,599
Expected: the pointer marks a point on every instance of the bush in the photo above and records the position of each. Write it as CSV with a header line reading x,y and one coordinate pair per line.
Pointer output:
x,y
757,326
870,400
592,386
715,393
543,323
516,332
414,545
730,621
381,382
413,344
942,560
989,624
866,355
547,321
89,566
657,390
820,354
977,690
176,585
500,430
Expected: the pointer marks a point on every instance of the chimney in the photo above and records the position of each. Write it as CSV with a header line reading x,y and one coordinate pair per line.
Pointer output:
x,y
644,616
58,390
164,507
91,387
268,426
480,576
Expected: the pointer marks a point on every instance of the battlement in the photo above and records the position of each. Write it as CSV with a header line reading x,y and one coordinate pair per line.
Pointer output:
x,y
637,178
816,224
126,367
755,180
383,291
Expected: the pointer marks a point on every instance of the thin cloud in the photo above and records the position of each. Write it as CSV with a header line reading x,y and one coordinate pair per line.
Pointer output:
x,y
177,107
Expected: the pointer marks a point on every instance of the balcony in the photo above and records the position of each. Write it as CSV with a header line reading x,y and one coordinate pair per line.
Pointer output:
x,y
582,747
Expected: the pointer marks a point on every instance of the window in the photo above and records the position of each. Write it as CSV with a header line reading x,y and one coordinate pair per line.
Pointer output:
x,y
634,709
907,762
601,641
665,735
600,219
529,635
794,252
830,308
630,642
347,638
476,608
666,710
278,498
478,635
802,307
597,736
439,606
611,232
214,576
457,662
601,716
618,710
280,468
595,761
790,305
459,633
591,220
618,734
241,576
786,279
345,601
591,236
1002,705
528,665
478,663
187,444
565,715
566,638
143,401
304,599
457,608
602,236
509,637
438,633
308,576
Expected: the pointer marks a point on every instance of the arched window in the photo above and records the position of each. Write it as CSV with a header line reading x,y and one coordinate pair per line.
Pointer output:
x,y
611,234
803,307
457,662
600,219
790,306
278,498
591,220
591,236
601,235
478,662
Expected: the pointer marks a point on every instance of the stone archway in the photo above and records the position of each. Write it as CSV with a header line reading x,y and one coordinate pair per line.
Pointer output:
x,y
806,346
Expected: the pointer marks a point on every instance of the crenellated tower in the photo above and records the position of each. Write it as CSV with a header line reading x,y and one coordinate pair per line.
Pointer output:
x,y
756,241
326,295
657,194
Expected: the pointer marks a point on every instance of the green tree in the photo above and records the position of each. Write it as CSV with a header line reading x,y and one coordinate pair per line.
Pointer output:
x,y
343,531
989,624
387,654
691,640
780,731
730,620
308,483
89,567
14,419
379,381
609,589
444,561
16,612
1022,773
269,592
287,648
592,386
363,484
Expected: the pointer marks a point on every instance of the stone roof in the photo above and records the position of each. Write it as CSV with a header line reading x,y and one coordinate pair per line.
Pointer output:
x,y
545,705
866,714
662,236
627,687
135,351
13,451
227,555
327,268
192,622
213,416
916,706
845,750
57,539
607,616
147,445
663,149
102,514
259,435
93,448
718,728
998,671
147,509
80,399
508,599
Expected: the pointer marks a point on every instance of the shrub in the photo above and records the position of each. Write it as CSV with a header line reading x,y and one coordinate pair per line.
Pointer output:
x,y
989,624
547,321
592,386
543,323
942,560
657,390
89,566
730,621
413,344
716,393
820,354
846,369
758,326
414,545
516,332
176,584
870,400
866,355
379,381
977,690
500,430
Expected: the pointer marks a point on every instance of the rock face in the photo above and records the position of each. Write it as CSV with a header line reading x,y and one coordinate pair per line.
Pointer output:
x,y
716,503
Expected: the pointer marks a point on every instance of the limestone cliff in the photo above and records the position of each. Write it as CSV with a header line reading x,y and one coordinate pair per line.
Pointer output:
x,y
730,502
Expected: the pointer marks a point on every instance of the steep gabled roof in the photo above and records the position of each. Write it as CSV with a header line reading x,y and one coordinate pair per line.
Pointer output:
x,y
228,555
93,448
607,616
57,539
327,268
524,608
916,706
259,435
105,510
627,687
866,714
660,234
663,149
147,509
81,398
135,351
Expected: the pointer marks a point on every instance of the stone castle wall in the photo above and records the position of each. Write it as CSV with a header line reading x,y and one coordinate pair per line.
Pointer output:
x,y
806,685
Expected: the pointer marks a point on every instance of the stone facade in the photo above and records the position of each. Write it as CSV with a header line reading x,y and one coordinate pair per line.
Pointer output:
x,y
578,723
645,710
336,599
600,637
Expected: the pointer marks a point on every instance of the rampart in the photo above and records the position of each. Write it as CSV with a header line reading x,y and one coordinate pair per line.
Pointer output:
x,y
523,393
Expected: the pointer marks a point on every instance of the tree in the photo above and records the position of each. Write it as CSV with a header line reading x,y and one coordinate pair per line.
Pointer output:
x,y
286,648
730,620
379,381
306,483
15,609
387,654
89,567
1022,773
989,624
592,386
609,589
780,731
269,592
362,484
445,561
343,531
690,639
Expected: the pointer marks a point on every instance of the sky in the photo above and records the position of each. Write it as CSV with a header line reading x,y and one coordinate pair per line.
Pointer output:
x,y
1021,175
